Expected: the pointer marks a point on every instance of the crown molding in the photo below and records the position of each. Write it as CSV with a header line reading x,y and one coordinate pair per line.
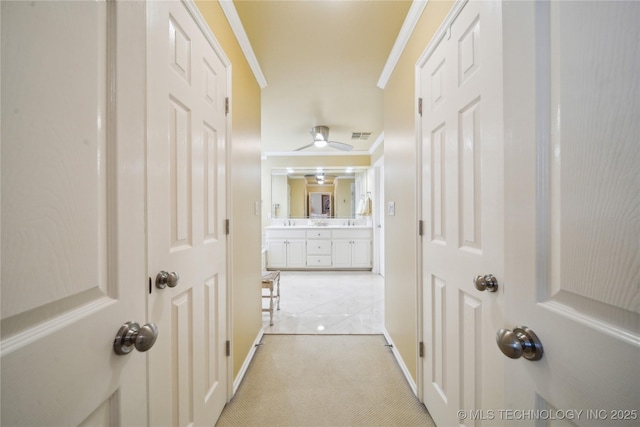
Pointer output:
x,y
415,11
375,145
238,30
312,153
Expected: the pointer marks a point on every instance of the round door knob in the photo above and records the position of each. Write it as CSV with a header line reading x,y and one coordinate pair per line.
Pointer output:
x,y
131,335
488,282
164,279
521,342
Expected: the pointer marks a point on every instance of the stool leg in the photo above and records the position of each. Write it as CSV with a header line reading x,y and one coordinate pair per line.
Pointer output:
x,y
271,305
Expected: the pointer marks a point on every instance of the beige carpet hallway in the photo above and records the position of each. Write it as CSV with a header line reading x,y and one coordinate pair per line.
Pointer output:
x,y
324,380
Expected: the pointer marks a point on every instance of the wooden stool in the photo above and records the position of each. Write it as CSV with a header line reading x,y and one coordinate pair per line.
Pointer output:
x,y
269,278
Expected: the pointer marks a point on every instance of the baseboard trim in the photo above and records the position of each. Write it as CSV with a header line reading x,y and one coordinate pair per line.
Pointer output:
x,y
401,363
247,361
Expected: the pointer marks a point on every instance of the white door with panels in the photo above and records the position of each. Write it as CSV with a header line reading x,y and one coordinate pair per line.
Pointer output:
x,y
73,242
460,83
572,104
187,243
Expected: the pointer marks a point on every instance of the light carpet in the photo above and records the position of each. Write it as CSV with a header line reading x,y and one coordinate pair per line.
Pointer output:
x,y
324,380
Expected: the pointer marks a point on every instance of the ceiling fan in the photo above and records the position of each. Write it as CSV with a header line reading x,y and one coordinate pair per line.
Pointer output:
x,y
320,178
321,139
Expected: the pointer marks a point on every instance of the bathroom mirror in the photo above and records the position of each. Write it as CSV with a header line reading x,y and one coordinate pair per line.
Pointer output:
x,y
320,205
320,192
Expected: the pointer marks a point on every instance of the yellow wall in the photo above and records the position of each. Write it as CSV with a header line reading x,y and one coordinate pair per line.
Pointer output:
x,y
245,188
298,197
400,186
343,197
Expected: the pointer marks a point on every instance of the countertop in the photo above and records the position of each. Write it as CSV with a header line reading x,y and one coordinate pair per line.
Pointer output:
x,y
314,227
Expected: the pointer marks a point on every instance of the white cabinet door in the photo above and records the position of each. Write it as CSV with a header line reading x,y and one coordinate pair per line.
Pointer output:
x,y
462,204
277,254
296,253
287,253
73,239
341,255
361,253
352,253
573,257
187,132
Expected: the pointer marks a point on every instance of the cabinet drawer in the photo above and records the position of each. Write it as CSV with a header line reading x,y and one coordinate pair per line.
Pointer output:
x,y
319,247
318,234
285,234
351,233
319,261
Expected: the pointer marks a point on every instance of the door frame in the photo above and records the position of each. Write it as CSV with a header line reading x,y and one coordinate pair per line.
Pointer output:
x,y
378,217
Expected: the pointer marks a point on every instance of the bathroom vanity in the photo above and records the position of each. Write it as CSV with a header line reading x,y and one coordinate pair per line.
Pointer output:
x,y
325,247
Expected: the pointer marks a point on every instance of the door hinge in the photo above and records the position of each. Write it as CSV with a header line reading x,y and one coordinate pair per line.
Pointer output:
x,y
226,106
228,348
421,349
420,228
420,106
227,226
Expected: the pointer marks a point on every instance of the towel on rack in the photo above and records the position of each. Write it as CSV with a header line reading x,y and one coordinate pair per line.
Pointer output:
x,y
361,206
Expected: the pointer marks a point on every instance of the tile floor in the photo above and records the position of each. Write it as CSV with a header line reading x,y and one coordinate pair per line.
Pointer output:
x,y
328,302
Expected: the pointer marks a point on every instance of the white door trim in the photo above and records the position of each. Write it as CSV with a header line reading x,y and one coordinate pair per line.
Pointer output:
x,y
378,218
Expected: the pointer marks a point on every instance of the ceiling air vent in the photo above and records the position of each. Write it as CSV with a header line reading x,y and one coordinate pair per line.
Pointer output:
x,y
360,135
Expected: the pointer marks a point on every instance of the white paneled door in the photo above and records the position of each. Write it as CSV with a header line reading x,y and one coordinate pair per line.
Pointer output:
x,y
187,132
462,207
573,256
73,252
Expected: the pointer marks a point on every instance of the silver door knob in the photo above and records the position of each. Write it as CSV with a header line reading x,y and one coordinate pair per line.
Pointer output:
x,y
131,335
488,282
164,279
521,342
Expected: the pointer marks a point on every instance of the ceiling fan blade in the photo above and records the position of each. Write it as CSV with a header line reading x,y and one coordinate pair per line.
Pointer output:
x,y
340,145
302,148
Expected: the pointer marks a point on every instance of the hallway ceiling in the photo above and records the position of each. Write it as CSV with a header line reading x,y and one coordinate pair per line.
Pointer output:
x,y
322,60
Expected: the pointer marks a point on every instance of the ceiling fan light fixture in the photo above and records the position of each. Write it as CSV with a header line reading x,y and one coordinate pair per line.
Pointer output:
x,y
320,136
320,133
